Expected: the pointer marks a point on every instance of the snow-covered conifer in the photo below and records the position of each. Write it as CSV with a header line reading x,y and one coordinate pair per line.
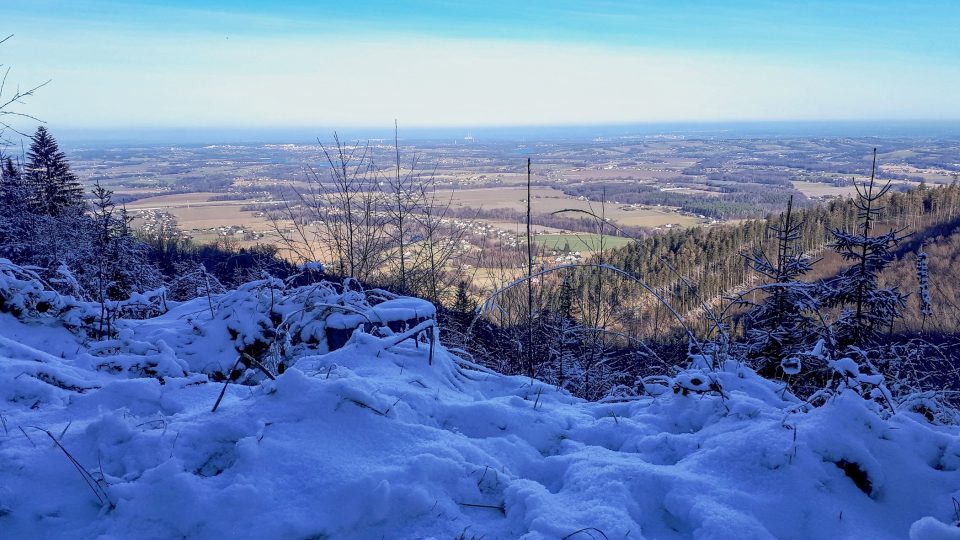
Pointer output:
x,y
783,322
866,307
15,217
923,281
55,188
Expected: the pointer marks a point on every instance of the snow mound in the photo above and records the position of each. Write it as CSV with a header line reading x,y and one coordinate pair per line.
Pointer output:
x,y
116,439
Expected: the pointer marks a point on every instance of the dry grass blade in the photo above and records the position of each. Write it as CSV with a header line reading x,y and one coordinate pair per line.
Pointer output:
x,y
585,530
499,507
98,490
363,405
64,432
27,436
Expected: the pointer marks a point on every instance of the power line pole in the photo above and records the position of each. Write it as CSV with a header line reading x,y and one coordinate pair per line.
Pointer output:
x,y
529,347
400,211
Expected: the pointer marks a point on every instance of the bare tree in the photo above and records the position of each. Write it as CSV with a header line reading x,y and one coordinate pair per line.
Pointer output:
x,y
340,217
440,240
9,100
406,198
528,348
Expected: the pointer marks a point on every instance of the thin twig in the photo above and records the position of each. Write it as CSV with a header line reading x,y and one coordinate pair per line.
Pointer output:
x,y
585,530
490,506
225,383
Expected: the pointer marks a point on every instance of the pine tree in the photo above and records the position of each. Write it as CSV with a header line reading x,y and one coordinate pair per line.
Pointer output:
x,y
459,317
463,305
14,215
121,256
102,218
866,306
55,189
13,190
103,209
781,324
923,283
563,338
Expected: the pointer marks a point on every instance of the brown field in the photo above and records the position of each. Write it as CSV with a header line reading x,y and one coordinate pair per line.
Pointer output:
x,y
175,200
488,279
501,197
520,228
547,200
208,217
694,191
652,217
819,189
200,217
197,215
651,174
934,176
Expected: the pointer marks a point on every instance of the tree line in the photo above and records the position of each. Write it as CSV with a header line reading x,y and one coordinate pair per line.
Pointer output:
x,y
731,201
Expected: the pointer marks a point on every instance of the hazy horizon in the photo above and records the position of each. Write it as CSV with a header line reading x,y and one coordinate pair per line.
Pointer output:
x,y
689,130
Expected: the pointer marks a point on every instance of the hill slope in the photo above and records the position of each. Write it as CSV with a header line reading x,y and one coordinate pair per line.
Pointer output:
x,y
371,441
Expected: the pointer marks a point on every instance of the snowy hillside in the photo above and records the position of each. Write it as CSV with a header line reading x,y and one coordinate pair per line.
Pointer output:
x,y
116,439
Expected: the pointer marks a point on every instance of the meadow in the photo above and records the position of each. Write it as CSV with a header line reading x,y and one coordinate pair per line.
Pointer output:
x,y
579,242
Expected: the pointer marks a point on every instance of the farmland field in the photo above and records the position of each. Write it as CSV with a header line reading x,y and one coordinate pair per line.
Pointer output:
x,y
548,200
579,242
820,189
199,216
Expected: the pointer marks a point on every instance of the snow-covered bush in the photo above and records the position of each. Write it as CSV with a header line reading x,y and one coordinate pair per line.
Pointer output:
x,y
24,295
194,282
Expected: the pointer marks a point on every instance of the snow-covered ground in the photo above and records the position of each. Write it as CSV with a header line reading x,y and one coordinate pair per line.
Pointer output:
x,y
373,442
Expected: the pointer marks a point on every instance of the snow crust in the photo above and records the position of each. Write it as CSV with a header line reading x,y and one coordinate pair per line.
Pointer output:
x,y
369,441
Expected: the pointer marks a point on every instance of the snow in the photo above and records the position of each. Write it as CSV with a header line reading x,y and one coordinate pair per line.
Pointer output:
x,y
929,528
371,441
791,365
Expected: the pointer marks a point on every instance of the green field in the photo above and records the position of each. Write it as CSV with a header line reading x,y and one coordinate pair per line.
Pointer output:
x,y
579,242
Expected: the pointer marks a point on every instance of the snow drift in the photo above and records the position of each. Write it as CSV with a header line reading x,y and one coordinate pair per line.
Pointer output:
x,y
116,439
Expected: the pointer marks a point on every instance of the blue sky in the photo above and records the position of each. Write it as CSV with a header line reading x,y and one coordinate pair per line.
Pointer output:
x,y
464,63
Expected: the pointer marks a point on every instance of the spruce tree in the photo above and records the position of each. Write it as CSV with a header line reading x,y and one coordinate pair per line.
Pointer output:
x,y
15,219
923,284
866,307
458,318
117,260
55,189
463,305
13,190
563,338
780,325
